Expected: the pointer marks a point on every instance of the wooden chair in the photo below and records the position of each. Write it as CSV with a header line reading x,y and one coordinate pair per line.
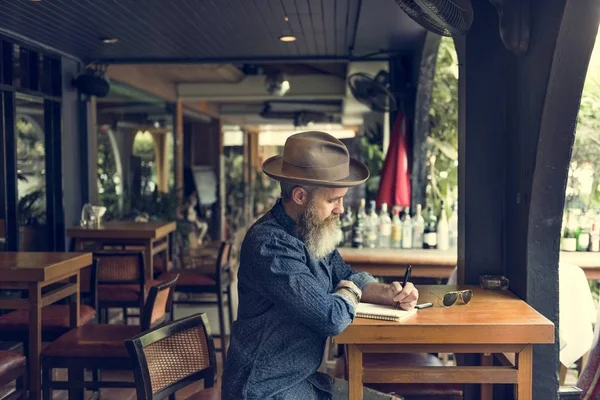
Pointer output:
x,y
14,326
101,347
13,368
121,282
408,391
218,282
171,357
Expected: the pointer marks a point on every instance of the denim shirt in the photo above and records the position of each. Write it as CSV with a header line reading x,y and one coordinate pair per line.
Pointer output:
x,y
287,310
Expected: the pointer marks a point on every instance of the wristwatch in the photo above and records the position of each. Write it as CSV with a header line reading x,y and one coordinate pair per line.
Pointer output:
x,y
348,288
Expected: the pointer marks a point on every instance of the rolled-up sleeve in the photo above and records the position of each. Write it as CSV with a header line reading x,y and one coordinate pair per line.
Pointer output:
x,y
284,277
343,271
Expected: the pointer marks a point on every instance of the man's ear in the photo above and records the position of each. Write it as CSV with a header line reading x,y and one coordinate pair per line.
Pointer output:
x,y
300,196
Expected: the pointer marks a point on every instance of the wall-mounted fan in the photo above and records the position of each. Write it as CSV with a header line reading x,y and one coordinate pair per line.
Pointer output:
x,y
93,82
373,91
444,17
454,18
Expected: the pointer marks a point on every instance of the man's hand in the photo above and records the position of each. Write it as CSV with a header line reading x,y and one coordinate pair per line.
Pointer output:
x,y
407,296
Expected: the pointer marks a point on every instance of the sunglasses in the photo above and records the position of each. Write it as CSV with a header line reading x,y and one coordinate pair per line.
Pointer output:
x,y
451,298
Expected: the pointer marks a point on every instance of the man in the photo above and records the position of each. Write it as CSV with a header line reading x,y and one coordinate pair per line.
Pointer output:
x,y
294,288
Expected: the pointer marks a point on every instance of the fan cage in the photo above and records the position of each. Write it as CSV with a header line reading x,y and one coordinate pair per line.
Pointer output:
x,y
443,17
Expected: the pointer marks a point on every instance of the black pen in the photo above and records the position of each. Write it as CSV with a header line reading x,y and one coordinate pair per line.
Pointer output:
x,y
404,282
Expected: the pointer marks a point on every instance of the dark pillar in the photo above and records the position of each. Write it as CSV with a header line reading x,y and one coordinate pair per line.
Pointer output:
x,y
519,115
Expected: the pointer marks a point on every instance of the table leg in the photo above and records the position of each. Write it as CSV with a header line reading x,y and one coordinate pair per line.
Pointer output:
x,y
487,390
149,260
167,253
75,302
35,341
524,364
355,372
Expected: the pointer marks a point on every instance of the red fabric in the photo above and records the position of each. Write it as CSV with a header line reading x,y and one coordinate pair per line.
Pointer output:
x,y
589,381
394,186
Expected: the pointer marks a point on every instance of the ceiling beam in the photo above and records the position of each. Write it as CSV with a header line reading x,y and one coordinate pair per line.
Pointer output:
x,y
252,88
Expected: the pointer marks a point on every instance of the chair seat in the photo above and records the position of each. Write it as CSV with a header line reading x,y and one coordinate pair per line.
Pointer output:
x,y
122,292
10,360
395,360
206,394
93,341
192,278
55,319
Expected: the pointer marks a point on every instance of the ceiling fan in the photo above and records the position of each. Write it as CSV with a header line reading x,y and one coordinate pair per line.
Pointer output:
x,y
454,18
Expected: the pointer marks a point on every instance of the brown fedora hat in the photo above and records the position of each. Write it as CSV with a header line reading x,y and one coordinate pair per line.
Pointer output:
x,y
318,159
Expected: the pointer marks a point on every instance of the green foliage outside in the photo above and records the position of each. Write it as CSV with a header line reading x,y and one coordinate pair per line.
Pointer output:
x,y
108,178
143,147
583,185
442,142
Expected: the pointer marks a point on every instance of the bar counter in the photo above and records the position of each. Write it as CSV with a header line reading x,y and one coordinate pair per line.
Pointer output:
x,y
439,263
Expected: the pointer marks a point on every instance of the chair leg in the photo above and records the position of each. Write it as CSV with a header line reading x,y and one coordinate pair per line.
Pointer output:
x,y
223,334
124,315
76,377
96,379
230,307
46,383
21,385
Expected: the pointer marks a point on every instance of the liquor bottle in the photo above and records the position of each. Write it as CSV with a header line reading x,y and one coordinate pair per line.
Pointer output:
x,y
430,233
359,227
569,238
595,239
396,229
418,228
407,227
372,226
453,228
347,224
385,227
442,229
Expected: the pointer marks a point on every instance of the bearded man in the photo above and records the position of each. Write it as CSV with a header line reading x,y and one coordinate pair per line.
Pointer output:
x,y
294,288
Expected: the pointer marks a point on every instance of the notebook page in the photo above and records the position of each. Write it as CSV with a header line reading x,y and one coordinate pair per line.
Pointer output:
x,y
377,311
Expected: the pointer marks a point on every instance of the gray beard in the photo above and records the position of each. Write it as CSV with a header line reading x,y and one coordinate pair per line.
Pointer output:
x,y
320,237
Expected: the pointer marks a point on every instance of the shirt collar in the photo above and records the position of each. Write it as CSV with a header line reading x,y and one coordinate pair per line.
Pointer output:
x,y
278,212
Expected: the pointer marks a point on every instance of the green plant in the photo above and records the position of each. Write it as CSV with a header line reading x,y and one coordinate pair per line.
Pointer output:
x,y
583,184
442,142
30,209
235,192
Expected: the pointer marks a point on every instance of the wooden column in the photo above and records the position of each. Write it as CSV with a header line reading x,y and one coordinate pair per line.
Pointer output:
x,y
178,130
518,115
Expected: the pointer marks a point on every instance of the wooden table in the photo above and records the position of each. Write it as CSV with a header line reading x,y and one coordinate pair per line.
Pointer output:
x,y
392,262
495,322
34,272
439,263
152,237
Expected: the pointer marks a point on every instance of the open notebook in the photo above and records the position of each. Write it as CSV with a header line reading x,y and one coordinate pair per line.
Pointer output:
x,y
387,313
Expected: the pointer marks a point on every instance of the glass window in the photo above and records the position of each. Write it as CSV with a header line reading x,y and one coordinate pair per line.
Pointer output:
x,y
16,65
31,172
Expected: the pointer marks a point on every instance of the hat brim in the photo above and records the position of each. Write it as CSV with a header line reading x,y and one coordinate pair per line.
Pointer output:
x,y
359,173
